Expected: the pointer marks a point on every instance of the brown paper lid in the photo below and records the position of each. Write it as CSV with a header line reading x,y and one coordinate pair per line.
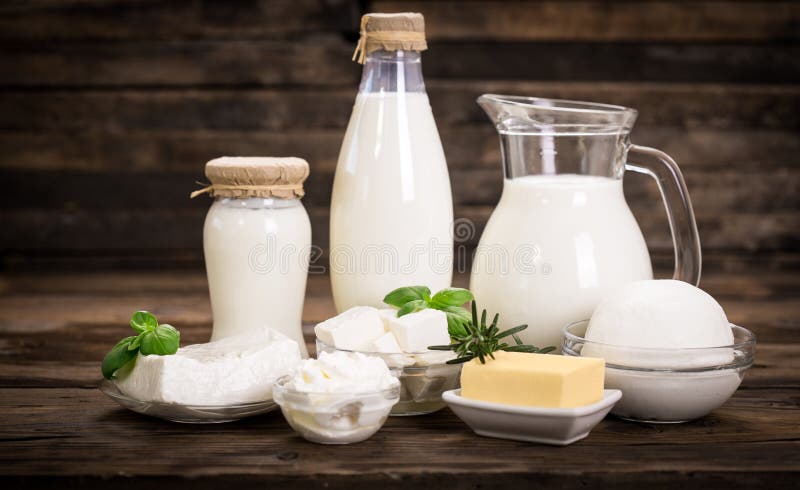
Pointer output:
x,y
256,177
390,32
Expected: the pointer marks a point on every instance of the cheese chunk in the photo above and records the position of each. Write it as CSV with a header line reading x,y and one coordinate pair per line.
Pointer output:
x,y
534,380
354,329
387,314
237,369
416,331
386,344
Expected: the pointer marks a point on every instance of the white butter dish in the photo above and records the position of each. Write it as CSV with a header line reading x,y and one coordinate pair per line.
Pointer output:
x,y
555,426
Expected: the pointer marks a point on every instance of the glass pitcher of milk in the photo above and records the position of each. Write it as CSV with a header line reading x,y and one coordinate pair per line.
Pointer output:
x,y
391,207
562,235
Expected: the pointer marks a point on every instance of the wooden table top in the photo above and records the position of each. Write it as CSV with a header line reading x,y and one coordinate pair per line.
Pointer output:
x,y
57,428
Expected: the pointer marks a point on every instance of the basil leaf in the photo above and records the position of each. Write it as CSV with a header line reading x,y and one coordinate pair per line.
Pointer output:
x,y
412,306
162,341
400,296
143,321
452,297
457,319
118,357
136,343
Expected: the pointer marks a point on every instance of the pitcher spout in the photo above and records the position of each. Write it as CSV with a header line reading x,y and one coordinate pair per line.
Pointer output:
x,y
513,113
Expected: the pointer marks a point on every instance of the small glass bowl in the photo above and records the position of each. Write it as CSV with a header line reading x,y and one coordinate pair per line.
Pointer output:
x,y
334,418
423,376
667,385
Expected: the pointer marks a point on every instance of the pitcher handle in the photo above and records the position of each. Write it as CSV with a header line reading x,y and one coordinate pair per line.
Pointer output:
x,y
680,214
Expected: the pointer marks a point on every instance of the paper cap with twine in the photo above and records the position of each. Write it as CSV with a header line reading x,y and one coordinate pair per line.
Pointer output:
x,y
390,32
255,177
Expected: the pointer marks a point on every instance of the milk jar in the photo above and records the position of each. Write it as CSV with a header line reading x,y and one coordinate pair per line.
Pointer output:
x,y
562,236
391,208
257,242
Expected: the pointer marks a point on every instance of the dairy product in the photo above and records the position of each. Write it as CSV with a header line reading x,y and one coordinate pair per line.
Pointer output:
x,y
537,380
677,330
387,314
341,397
354,329
342,372
554,246
415,332
237,369
256,254
671,319
402,344
671,397
386,344
391,208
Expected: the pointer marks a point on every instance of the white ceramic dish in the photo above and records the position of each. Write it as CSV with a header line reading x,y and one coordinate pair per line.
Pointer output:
x,y
555,426
187,414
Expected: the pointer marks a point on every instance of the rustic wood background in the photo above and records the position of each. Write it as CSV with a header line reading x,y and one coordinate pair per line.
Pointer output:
x,y
109,109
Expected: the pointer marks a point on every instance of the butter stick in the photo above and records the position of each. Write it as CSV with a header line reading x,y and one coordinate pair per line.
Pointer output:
x,y
534,380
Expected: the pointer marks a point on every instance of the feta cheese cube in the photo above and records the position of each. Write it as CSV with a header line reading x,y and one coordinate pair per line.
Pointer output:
x,y
386,315
354,329
386,344
416,331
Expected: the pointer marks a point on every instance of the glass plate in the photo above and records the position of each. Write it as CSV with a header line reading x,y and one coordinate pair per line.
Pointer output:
x,y
187,414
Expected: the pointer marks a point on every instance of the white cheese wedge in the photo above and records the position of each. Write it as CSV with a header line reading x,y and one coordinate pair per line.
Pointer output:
x,y
237,369
386,344
416,331
387,314
354,329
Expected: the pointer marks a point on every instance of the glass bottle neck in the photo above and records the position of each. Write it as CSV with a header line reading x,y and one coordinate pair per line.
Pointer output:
x,y
392,71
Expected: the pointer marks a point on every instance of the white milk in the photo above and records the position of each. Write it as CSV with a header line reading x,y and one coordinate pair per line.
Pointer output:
x,y
257,254
554,246
391,209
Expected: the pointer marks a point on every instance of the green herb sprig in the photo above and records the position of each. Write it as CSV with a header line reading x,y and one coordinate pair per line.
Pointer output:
x,y
151,338
481,340
450,300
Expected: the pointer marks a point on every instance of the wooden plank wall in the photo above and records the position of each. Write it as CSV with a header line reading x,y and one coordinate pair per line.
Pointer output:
x,y
110,108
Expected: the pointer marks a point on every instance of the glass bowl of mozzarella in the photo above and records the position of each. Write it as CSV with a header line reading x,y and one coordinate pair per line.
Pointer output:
x,y
402,342
668,346
667,385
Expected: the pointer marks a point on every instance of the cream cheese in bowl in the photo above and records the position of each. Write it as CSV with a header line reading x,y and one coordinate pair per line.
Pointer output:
x,y
338,398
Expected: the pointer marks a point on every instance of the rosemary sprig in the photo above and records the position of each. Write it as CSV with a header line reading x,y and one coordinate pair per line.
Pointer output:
x,y
483,340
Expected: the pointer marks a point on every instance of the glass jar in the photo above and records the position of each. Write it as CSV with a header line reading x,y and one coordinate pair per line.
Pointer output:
x,y
257,252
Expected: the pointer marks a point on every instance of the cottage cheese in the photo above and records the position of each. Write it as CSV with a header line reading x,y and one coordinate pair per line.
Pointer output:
x,y
237,369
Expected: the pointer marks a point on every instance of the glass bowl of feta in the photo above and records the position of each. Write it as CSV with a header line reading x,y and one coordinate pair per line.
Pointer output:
x,y
338,398
423,377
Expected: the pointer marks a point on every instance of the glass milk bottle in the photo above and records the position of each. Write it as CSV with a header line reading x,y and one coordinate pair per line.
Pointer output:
x,y
562,235
257,242
391,208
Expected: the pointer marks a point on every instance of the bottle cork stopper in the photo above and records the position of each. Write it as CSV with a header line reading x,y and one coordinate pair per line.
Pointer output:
x,y
390,32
